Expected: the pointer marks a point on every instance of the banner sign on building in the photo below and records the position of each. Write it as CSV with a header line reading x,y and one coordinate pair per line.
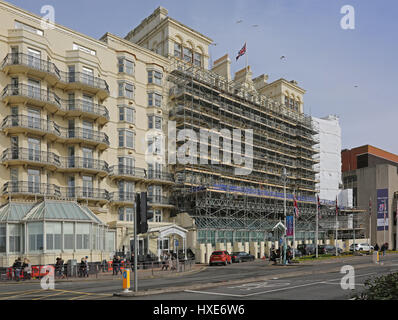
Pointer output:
x,y
382,209
289,226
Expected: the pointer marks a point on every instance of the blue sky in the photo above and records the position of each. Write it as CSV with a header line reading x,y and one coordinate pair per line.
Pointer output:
x,y
326,60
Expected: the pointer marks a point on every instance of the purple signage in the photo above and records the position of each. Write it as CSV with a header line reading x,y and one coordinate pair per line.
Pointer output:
x,y
289,226
382,209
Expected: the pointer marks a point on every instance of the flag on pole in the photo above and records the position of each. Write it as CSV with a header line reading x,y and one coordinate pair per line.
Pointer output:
x,y
337,208
318,206
241,52
296,210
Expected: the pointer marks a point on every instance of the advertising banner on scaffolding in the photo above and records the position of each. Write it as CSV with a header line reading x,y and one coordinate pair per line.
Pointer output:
x,y
289,225
382,209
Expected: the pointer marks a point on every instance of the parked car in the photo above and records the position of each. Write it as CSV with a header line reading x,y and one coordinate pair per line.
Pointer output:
x,y
220,257
241,257
306,249
297,253
322,249
361,247
331,249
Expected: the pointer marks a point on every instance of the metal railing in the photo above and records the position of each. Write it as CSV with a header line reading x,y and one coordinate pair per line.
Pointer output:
x,y
26,154
31,188
85,193
33,123
159,200
31,92
84,163
128,171
123,196
85,134
49,67
85,106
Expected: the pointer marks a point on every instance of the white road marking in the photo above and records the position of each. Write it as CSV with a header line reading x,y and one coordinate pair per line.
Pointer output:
x,y
273,290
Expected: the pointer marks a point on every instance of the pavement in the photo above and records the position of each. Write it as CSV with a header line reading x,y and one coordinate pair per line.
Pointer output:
x,y
251,280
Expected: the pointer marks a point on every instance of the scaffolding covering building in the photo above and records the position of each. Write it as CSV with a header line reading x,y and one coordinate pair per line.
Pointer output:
x,y
241,207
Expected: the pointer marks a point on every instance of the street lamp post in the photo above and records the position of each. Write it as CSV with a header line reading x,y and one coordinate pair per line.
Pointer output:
x,y
284,178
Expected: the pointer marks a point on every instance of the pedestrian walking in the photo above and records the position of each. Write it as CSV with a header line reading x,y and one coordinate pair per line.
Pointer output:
x,y
115,265
27,269
17,266
376,247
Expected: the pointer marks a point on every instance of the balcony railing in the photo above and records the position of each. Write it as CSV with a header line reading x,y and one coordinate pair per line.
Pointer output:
x,y
31,188
85,106
32,93
31,62
159,200
85,134
128,171
86,79
123,196
49,67
84,163
159,175
85,193
30,155
33,123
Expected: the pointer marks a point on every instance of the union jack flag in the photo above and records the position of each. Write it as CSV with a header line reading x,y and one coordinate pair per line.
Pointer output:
x,y
318,203
241,52
296,210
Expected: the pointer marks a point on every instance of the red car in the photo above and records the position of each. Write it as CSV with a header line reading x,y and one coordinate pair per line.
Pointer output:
x,y
222,257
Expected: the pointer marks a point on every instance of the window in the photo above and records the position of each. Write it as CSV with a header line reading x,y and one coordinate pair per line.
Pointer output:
x,y
20,25
87,102
126,139
126,90
126,114
33,181
157,216
126,66
126,214
84,49
34,89
88,161
154,122
14,231
69,239
34,58
34,149
187,55
197,59
154,99
155,77
155,145
35,234
53,235
87,186
126,165
177,50
87,129
126,190
3,238
82,236
110,241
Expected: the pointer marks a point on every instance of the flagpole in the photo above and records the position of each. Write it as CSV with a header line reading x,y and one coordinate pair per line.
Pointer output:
x,y
247,58
336,227
316,232
294,232
370,220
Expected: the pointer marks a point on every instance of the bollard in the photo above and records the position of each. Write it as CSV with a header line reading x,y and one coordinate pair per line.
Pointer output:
x,y
126,280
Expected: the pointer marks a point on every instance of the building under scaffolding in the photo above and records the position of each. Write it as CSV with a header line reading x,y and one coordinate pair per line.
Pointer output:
x,y
244,208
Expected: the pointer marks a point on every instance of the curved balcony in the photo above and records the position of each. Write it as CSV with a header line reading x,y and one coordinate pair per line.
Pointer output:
x,y
26,94
79,107
160,177
79,164
87,136
159,202
86,82
84,193
122,198
128,173
24,63
48,71
21,156
25,124
26,188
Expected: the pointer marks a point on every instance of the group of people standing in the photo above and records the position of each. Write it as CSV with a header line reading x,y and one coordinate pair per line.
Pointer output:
x,y
383,249
168,261
24,267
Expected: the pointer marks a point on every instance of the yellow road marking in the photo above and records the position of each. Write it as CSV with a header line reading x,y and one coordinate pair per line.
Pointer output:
x,y
49,295
22,294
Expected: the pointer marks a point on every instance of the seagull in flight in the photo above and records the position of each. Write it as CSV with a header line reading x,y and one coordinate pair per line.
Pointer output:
x,y
255,25
283,58
239,21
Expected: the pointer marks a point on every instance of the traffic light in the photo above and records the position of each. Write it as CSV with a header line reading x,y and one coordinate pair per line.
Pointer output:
x,y
142,213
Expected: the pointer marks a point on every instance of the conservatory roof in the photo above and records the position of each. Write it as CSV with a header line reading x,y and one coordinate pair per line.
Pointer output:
x,y
47,210
14,211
